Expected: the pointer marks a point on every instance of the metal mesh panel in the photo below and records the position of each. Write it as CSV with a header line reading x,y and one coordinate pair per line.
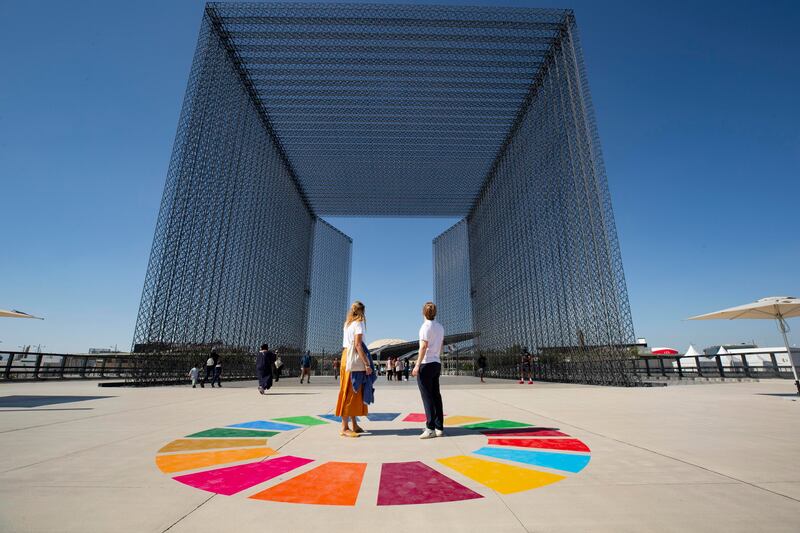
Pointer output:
x,y
451,286
330,288
229,263
545,264
401,106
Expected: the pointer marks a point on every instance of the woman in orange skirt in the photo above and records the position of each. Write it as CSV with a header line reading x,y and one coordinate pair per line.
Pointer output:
x,y
350,403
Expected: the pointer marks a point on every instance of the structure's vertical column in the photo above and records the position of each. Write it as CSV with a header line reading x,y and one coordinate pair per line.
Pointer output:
x,y
230,258
545,264
617,273
330,288
451,279
152,309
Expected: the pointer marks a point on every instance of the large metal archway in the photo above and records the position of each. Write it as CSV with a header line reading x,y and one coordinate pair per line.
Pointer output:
x,y
297,111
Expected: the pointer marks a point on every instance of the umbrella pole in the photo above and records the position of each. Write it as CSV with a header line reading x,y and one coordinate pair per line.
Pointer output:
x,y
782,324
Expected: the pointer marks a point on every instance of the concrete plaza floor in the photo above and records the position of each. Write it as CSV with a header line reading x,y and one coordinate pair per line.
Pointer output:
x,y
720,457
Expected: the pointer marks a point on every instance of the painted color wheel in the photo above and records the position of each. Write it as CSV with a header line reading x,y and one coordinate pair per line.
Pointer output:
x,y
236,459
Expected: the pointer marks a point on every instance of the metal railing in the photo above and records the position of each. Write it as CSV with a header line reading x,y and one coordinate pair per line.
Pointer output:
x,y
750,366
612,371
143,369
20,366
173,368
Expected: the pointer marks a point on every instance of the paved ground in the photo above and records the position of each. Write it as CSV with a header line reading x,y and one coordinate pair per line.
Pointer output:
x,y
698,458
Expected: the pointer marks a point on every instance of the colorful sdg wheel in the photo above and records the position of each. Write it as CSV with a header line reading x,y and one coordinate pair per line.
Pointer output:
x,y
516,457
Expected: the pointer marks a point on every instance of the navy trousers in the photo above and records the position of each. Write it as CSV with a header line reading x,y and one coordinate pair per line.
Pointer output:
x,y
428,383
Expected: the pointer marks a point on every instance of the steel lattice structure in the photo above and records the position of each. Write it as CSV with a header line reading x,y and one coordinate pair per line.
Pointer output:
x,y
296,111
330,288
452,280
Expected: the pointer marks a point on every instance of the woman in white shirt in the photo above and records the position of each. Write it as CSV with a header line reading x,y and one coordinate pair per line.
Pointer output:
x,y
350,403
427,370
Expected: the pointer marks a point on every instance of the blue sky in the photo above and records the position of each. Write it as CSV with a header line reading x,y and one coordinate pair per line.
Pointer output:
x,y
697,110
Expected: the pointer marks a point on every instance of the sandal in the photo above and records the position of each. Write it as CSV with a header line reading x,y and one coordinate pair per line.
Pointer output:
x,y
359,430
348,433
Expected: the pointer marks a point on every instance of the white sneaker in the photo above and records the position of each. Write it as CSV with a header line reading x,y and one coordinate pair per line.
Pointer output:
x,y
427,434
439,433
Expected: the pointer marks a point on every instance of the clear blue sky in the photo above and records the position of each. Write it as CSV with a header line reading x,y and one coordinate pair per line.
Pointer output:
x,y
697,109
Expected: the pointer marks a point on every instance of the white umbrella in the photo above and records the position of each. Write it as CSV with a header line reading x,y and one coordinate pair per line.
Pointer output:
x,y
775,307
17,314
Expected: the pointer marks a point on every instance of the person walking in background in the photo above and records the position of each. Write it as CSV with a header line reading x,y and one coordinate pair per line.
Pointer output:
x,y
193,374
265,361
427,370
278,368
406,368
211,362
336,369
398,369
356,369
482,367
305,367
525,366
217,373
390,369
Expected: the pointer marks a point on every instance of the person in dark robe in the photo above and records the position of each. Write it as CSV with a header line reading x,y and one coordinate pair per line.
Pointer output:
x,y
265,361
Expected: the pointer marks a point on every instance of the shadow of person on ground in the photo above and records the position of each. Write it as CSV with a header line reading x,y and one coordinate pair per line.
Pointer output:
x,y
268,393
406,432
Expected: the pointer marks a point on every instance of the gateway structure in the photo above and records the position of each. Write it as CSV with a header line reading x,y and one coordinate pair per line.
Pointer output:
x,y
297,111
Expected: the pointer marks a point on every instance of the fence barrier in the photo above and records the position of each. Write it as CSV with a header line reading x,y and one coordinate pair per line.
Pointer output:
x,y
173,368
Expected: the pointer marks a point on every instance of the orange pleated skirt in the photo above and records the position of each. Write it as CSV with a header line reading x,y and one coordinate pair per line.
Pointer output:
x,y
349,403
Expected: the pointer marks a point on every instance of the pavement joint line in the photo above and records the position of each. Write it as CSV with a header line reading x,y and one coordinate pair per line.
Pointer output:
x,y
92,447
297,434
39,410
190,512
75,452
305,428
94,416
499,496
38,486
644,448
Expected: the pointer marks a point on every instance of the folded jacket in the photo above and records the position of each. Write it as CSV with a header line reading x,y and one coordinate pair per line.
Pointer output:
x,y
359,379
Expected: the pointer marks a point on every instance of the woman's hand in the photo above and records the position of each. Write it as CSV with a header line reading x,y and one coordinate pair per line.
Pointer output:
x,y
415,371
369,370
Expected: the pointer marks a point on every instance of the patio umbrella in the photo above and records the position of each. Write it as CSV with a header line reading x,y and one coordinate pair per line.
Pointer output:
x,y
775,307
664,351
17,314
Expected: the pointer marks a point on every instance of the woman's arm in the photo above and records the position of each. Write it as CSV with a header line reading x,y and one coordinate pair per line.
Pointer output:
x,y
360,350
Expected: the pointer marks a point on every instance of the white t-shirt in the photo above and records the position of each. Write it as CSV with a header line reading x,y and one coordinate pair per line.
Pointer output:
x,y
350,331
433,332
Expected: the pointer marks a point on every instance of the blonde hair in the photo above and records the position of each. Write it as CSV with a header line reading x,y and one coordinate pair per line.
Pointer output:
x,y
355,314
429,310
